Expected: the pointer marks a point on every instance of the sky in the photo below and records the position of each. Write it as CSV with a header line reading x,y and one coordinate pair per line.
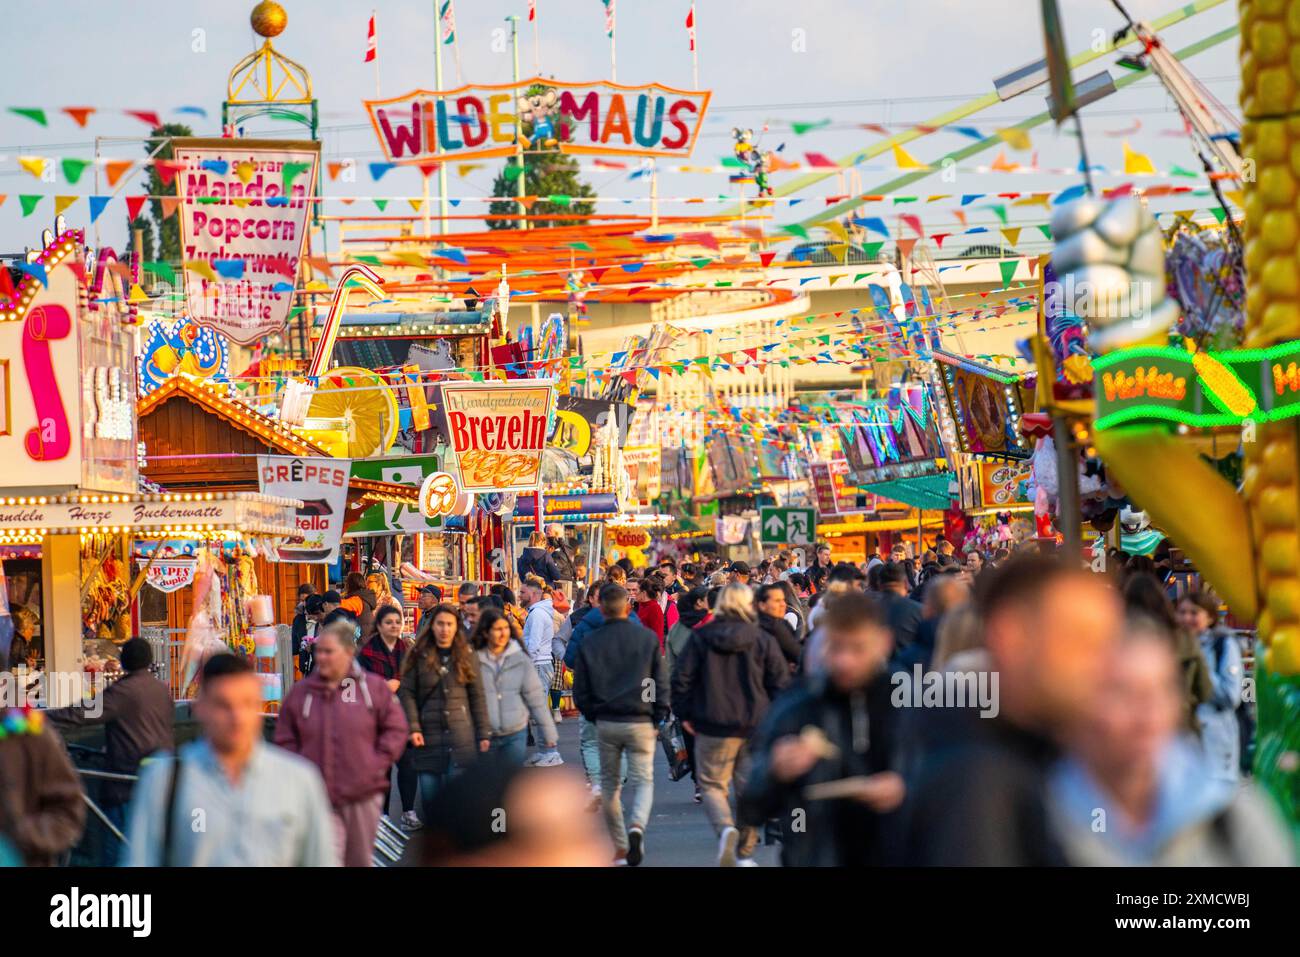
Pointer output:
x,y
768,62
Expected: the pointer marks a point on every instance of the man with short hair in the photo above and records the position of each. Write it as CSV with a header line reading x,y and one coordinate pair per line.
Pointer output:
x,y
837,730
902,614
620,682
539,640
691,576
974,563
466,591
668,571
137,713
261,806
330,600
979,795
740,573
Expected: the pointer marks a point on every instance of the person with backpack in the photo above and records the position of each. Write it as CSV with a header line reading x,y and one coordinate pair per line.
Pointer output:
x,y
534,560
723,683
1198,614
347,722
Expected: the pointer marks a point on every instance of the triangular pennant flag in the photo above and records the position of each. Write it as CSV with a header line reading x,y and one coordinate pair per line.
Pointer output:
x,y
33,164
1017,139
1135,162
905,246
999,210
377,170
914,222
29,203
115,168
334,169
904,160
1012,234
169,204
97,204
79,114
416,204
73,168
147,117
381,204
162,270
202,268
63,202
167,170
35,114
133,206
1008,269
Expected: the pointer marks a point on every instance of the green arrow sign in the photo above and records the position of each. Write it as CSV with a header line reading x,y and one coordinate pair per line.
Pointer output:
x,y
787,526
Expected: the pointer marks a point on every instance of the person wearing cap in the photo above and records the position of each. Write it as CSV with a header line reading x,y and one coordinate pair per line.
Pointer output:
x,y
428,598
739,573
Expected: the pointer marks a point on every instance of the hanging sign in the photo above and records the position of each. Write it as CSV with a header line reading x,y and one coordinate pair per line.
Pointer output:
x,y
496,432
322,486
169,574
629,537
387,517
243,220
425,126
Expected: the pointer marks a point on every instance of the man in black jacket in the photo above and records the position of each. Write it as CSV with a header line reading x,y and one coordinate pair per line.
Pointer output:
x,y
137,712
979,793
902,614
824,757
723,683
771,618
620,682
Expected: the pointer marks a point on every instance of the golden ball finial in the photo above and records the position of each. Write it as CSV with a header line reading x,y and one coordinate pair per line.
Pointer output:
x,y
268,19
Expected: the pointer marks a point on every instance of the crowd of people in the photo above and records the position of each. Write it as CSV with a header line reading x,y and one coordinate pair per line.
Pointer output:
x,y
1004,708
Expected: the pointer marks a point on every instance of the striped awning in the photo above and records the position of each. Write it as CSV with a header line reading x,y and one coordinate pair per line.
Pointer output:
x,y
925,491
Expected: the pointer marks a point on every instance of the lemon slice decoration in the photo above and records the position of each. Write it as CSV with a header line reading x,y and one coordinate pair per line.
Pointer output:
x,y
365,405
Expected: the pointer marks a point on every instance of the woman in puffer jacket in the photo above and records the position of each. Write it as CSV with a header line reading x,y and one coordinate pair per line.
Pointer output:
x,y
442,694
511,687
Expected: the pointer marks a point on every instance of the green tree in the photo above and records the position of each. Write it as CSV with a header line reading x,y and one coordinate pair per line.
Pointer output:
x,y
162,237
550,174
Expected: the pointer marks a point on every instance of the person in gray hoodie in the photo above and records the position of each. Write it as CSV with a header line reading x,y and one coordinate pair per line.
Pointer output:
x,y
1135,791
512,689
539,641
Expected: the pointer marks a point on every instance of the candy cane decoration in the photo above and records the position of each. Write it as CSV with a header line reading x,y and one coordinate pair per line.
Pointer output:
x,y
369,280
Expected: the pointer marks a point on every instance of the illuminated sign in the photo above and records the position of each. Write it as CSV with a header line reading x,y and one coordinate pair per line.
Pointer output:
x,y
425,126
496,433
1202,389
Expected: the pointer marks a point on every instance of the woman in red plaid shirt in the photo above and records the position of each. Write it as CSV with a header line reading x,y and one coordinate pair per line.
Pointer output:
x,y
382,655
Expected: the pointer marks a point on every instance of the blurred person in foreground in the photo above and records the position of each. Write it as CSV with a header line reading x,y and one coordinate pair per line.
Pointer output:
x,y
499,814
980,789
347,722
260,805
723,683
1144,595
1135,790
823,758
620,683
41,807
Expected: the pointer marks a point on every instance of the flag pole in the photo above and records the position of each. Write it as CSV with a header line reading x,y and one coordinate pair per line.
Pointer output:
x,y
537,49
437,65
695,48
375,20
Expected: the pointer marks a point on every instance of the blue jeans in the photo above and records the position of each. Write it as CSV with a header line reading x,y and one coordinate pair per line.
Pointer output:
x,y
511,748
431,782
636,741
546,674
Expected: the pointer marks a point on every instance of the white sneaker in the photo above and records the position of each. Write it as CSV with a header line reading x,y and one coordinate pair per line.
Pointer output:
x,y
557,716
727,847
550,759
533,759
746,862
410,822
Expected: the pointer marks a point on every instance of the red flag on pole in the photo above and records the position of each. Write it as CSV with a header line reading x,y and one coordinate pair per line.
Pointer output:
x,y
532,10
372,43
690,25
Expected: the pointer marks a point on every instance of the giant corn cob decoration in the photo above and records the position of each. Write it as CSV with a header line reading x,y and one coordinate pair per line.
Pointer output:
x,y
1248,544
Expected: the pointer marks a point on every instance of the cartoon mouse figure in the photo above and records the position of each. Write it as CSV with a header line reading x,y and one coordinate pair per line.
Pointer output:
x,y
752,157
538,108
